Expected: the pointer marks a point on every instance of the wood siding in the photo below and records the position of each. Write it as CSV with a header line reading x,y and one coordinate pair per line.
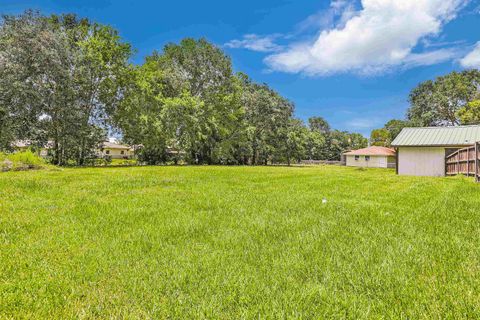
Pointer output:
x,y
421,161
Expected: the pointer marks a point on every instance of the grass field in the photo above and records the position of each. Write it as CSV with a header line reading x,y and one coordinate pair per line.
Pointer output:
x,y
239,242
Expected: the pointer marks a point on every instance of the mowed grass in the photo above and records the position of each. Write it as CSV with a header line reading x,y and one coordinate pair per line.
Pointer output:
x,y
238,242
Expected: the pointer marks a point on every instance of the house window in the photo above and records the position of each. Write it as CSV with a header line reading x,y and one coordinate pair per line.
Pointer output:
x,y
122,152
107,152
367,158
357,158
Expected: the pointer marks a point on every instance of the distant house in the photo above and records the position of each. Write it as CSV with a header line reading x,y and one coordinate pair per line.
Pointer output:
x,y
115,150
23,145
371,157
106,149
422,151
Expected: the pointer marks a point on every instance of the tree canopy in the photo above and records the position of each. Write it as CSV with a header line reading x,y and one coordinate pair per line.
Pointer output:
x,y
384,136
68,80
60,77
449,100
470,113
438,102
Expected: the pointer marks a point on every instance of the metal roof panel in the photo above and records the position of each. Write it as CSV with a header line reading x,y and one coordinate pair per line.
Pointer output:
x,y
438,136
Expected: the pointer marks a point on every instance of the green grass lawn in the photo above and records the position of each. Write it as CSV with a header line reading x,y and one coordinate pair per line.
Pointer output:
x,y
238,242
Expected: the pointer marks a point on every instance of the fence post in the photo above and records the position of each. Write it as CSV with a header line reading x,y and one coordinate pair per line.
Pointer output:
x,y
468,162
477,179
458,162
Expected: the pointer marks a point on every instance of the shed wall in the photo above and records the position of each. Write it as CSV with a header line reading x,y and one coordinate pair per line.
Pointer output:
x,y
374,162
421,161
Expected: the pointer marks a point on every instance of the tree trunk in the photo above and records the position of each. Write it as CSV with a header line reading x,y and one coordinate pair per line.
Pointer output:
x,y
56,154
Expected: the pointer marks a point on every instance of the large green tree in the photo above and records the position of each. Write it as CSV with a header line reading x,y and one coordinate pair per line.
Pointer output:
x,y
315,145
267,119
385,136
205,72
339,142
60,79
435,103
140,116
296,141
6,129
319,124
185,98
380,137
395,126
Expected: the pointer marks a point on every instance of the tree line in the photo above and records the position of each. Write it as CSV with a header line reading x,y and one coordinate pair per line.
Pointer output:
x,y
70,81
449,100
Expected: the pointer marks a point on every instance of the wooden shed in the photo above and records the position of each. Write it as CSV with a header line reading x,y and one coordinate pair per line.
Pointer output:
x,y
371,157
422,151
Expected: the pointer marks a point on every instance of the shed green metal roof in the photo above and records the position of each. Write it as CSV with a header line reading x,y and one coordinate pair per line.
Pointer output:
x,y
438,136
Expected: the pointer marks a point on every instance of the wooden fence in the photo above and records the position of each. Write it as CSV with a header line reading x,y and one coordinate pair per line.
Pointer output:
x,y
464,161
323,162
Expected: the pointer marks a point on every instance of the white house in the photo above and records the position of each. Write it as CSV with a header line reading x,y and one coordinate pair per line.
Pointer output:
x,y
107,148
115,151
422,151
371,157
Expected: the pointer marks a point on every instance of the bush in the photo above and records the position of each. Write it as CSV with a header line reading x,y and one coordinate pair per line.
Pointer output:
x,y
25,160
123,162
95,162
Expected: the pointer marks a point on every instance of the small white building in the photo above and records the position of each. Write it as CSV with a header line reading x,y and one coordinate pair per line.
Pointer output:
x,y
115,151
422,151
371,157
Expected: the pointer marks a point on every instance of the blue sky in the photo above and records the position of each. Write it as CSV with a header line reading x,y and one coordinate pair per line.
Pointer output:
x,y
351,61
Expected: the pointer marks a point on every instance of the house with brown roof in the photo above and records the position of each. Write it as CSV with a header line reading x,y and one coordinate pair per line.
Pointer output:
x,y
371,157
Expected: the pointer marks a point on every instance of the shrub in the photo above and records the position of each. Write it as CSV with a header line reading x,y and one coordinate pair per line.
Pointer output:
x,y
123,162
25,160
95,162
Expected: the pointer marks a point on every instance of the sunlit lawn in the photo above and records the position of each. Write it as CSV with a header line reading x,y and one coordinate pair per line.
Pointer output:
x,y
238,242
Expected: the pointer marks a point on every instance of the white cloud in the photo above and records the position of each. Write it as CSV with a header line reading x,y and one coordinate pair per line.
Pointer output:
x,y
256,43
374,39
472,59
430,57
339,12
428,43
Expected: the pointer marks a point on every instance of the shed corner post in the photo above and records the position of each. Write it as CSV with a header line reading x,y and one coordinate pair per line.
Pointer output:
x,y
397,155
